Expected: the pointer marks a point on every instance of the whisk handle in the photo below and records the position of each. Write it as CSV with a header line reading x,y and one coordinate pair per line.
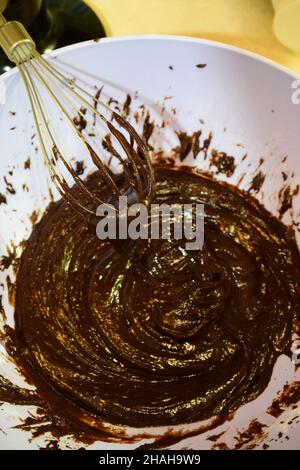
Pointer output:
x,y
16,42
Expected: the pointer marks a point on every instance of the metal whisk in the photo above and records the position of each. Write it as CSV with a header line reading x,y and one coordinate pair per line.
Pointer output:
x,y
71,121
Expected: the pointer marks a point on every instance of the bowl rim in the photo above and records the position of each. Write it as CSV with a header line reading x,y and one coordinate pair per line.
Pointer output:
x,y
168,38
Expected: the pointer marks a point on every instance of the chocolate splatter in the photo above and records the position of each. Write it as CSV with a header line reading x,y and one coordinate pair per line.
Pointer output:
x,y
191,143
148,128
79,120
79,167
187,144
3,199
9,187
171,437
34,217
215,437
11,393
206,145
115,103
5,262
11,259
224,163
220,446
257,182
126,105
27,164
96,99
107,144
286,196
289,396
250,435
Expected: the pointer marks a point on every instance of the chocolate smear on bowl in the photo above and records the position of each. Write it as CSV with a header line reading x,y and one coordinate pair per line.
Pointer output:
x,y
173,437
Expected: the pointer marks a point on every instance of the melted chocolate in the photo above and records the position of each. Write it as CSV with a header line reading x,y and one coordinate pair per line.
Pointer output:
x,y
157,335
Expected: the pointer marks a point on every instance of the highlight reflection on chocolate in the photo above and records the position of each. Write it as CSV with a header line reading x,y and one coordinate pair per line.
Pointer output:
x,y
157,335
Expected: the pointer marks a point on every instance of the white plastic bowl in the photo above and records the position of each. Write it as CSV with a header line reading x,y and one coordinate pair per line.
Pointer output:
x,y
243,99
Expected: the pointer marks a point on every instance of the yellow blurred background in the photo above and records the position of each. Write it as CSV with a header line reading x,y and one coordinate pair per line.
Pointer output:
x,y
244,23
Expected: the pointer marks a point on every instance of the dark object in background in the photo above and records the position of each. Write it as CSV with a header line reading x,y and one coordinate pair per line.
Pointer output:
x,y
53,23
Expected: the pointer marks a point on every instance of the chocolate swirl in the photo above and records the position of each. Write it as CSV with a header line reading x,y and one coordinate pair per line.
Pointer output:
x,y
157,335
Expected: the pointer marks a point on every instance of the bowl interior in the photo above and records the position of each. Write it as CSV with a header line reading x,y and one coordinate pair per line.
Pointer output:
x,y
241,103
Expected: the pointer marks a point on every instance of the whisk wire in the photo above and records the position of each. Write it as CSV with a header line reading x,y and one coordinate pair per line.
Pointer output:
x,y
119,139
41,121
97,160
